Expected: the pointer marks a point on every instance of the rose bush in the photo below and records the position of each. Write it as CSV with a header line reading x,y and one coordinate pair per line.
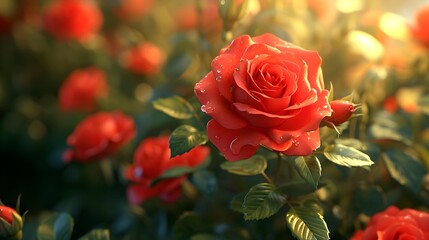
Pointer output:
x,y
395,224
151,159
82,88
99,135
264,91
72,19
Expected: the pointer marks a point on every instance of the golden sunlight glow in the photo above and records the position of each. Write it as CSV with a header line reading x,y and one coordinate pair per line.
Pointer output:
x,y
366,45
394,26
348,6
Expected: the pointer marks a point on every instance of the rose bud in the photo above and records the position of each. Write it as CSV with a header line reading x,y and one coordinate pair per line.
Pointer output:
x,y
99,135
10,223
81,89
72,19
145,59
341,112
232,11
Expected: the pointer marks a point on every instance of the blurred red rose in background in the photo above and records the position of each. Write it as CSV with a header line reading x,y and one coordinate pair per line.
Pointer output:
x,y
151,160
5,25
132,9
146,59
420,29
264,91
393,223
99,135
82,88
72,19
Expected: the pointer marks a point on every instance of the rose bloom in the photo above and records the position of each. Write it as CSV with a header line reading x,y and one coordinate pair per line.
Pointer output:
x,y
419,29
132,9
99,135
145,59
264,91
82,88
72,19
395,224
151,160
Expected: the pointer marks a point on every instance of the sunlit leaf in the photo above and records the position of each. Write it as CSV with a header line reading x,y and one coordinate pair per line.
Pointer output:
x,y
58,226
347,156
184,138
97,234
252,166
405,169
262,201
176,107
309,169
306,221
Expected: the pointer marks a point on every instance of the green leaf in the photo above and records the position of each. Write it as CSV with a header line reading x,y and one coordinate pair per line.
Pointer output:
x,y
190,224
347,156
58,226
176,107
262,201
369,199
184,138
306,221
252,166
97,234
180,171
309,169
405,169
237,202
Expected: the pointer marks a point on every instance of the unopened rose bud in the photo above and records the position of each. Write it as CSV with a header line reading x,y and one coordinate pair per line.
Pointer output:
x,y
10,223
341,112
232,11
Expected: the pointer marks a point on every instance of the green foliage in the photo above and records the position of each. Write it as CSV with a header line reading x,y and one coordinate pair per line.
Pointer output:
x,y
309,169
405,169
306,222
347,156
57,226
252,166
423,103
237,202
184,138
369,199
176,107
262,201
205,181
97,234
190,225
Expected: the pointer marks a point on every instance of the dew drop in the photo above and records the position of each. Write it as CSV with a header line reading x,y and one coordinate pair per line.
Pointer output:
x,y
218,71
217,137
207,108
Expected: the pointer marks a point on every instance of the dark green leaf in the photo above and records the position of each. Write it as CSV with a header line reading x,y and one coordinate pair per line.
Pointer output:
x,y
252,166
205,181
176,107
309,169
237,202
188,225
369,199
97,234
347,156
262,201
405,169
306,221
58,226
180,171
184,138
391,127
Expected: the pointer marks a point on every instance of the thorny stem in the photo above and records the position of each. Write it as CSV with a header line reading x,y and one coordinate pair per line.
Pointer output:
x,y
278,167
267,178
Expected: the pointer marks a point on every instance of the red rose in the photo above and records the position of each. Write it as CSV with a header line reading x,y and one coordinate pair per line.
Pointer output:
x,y
72,19
99,135
151,159
264,91
5,25
132,9
10,223
82,88
419,28
396,224
146,59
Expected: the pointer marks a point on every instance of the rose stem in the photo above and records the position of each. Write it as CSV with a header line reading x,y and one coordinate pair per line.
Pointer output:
x,y
267,178
278,167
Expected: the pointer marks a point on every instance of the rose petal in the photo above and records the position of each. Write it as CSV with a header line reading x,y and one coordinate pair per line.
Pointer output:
x,y
398,229
271,40
253,51
305,144
216,106
223,66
